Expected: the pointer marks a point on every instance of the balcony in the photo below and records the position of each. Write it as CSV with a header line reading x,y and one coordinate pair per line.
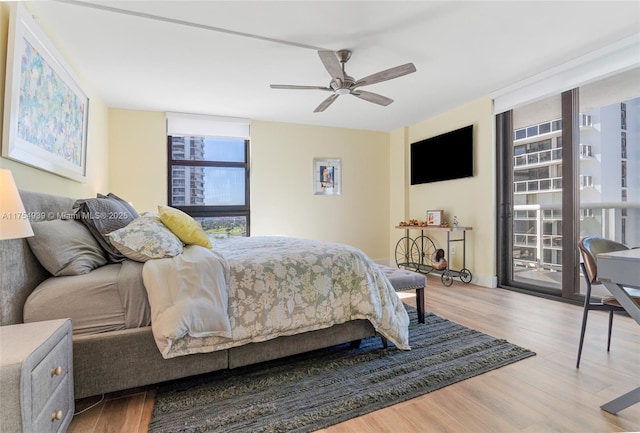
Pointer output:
x,y
551,184
586,182
537,158
537,129
585,121
585,151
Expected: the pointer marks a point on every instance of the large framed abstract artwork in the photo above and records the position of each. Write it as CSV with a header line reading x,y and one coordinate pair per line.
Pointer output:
x,y
46,110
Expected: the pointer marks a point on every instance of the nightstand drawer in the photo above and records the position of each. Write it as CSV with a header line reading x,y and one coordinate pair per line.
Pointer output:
x,y
48,375
55,415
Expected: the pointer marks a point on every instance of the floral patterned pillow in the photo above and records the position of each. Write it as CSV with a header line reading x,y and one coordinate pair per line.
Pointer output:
x,y
146,238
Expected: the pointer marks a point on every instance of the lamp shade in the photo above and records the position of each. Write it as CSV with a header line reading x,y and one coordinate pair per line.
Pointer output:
x,y
14,222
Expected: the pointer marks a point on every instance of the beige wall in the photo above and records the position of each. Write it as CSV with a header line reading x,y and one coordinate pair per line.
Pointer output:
x,y
472,200
398,187
282,199
33,179
138,157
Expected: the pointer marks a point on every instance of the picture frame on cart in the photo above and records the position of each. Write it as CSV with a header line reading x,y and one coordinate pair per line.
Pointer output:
x,y
434,217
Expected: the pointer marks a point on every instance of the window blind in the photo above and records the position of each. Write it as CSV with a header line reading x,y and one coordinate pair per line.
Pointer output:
x,y
207,126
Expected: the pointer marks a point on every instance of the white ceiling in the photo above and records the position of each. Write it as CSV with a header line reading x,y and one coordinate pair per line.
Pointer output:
x,y
462,50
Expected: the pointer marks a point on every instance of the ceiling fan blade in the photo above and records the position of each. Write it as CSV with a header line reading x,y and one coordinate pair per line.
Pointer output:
x,y
323,106
372,97
331,63
287,86
385,75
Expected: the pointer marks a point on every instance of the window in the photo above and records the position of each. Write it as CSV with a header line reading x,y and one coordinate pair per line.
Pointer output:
x,y
208,172
586,181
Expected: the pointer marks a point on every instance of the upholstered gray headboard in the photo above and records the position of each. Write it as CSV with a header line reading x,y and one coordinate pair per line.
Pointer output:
x,y
20,271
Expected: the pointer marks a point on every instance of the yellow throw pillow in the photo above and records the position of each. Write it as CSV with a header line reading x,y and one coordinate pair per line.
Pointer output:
x,y
182,225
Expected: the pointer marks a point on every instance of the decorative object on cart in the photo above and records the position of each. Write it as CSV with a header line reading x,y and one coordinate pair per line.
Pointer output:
x,y
327,175
46,114
417,253
413,222
455,146
438,261
455,221
434,217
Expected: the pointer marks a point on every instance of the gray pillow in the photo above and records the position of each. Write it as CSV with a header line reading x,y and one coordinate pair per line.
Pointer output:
x,y
103,215
122,201
65,247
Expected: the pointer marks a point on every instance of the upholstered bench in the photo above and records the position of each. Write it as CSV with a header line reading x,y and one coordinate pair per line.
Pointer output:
x,y
402,279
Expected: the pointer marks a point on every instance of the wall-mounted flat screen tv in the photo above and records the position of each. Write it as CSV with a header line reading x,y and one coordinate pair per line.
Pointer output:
x,y
444,157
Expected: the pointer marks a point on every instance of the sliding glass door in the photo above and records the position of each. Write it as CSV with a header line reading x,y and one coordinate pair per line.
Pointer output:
x,y
568,167
537,194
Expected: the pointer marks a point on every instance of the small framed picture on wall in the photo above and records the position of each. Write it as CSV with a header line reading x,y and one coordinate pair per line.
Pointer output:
x,y
327,176
434,217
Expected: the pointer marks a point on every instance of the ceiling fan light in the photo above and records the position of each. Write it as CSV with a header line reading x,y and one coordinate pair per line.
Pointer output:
x,y
342,91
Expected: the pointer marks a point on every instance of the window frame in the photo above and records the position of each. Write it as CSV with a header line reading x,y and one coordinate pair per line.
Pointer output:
x,y
211,211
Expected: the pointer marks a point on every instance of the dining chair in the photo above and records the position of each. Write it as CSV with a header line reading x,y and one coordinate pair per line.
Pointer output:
x,y
590,247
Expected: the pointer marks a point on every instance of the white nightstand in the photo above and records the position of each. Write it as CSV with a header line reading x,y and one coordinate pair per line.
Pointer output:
x,y
36,377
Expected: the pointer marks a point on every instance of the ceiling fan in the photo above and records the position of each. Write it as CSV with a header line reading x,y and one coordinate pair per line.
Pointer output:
x,y
343,84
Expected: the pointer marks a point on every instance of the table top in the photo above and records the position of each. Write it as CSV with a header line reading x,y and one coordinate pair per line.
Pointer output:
x,y
449,229
631,255
18,341
622,267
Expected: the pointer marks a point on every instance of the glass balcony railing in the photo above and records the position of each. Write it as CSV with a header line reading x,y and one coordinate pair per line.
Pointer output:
x,y
535,158
540,246
551,184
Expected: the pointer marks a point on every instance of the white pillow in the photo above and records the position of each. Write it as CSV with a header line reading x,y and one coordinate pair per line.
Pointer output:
x,y
146,238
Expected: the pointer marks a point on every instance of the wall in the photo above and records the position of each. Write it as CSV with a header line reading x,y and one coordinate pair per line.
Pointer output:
x,y
472,200
33,179
282,199
138,157
399,190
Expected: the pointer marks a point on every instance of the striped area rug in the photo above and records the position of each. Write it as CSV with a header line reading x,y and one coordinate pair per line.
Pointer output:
x,y
312,391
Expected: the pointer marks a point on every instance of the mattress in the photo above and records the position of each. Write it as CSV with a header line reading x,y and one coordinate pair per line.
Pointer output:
x,y
109,298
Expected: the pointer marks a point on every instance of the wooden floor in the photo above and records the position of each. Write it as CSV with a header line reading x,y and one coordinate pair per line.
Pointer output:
x,y
544,393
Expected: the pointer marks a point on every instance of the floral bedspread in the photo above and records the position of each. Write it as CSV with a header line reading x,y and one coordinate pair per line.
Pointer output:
x,y
283,286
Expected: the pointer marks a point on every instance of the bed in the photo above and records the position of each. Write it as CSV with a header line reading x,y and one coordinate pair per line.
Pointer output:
x,y
119,320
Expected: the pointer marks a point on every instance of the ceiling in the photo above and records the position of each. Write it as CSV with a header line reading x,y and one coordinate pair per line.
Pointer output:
x,y
219,57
